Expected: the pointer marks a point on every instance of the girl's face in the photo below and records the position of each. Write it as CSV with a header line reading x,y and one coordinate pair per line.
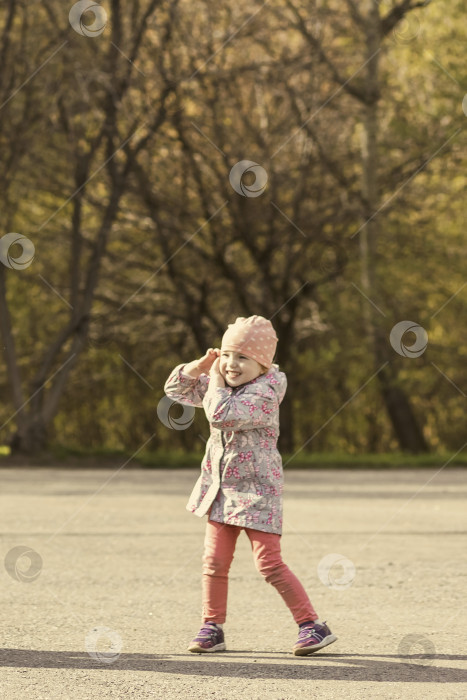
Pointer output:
x,y
237,368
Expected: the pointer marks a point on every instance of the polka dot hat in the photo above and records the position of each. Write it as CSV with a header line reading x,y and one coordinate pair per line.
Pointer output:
x,y
254,336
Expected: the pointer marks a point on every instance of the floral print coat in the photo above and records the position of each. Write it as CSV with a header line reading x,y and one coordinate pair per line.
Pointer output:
x,y
241,478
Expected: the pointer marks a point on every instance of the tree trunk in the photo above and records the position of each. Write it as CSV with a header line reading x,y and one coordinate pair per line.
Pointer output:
x,y
285,359
402,417
285,442
397,403
30,438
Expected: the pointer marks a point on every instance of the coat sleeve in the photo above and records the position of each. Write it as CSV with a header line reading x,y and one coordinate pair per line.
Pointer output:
x,y
184,389
254,407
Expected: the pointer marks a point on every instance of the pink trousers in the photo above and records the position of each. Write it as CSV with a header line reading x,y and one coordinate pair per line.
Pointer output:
x,y
219,547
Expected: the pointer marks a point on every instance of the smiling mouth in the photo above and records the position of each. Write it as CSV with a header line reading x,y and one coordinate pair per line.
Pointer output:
x,y
233,374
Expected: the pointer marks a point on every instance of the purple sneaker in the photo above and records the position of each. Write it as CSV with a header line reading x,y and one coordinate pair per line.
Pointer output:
x,y
312,637
209,638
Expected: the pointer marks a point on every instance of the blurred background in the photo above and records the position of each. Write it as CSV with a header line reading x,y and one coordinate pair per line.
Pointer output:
x,y
120,124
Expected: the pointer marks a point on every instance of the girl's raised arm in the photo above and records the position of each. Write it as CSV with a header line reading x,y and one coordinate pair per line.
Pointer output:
x,y
188,382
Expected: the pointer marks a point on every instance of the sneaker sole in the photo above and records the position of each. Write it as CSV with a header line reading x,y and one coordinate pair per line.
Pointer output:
x,y
196,649
304,651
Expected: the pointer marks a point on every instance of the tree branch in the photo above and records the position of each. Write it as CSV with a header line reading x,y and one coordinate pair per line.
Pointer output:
x,y
398,12
317,45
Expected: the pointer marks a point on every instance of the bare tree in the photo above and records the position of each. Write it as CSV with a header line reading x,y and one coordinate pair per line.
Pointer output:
x,y
111,143
365,89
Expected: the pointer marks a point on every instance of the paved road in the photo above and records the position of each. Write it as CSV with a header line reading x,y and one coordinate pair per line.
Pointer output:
x,y
109,598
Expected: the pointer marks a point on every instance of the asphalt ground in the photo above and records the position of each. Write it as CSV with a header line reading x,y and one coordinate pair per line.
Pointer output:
x,y
101,588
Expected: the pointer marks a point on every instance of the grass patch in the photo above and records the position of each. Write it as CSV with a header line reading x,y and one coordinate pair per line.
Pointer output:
x,y
62,455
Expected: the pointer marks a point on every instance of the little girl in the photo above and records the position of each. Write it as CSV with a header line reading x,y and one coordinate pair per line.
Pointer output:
x,y
241,481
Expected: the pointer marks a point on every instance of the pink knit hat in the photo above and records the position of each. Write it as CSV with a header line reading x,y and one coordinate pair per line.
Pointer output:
x,y
254,336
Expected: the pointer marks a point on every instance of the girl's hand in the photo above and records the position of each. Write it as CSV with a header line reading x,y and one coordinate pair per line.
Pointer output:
x,y
205,363
216,378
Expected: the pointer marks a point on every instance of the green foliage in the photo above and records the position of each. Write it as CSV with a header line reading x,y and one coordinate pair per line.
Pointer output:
x,y
186,254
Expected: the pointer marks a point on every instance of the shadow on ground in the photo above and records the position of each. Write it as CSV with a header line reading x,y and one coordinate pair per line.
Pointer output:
x,y
350,667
